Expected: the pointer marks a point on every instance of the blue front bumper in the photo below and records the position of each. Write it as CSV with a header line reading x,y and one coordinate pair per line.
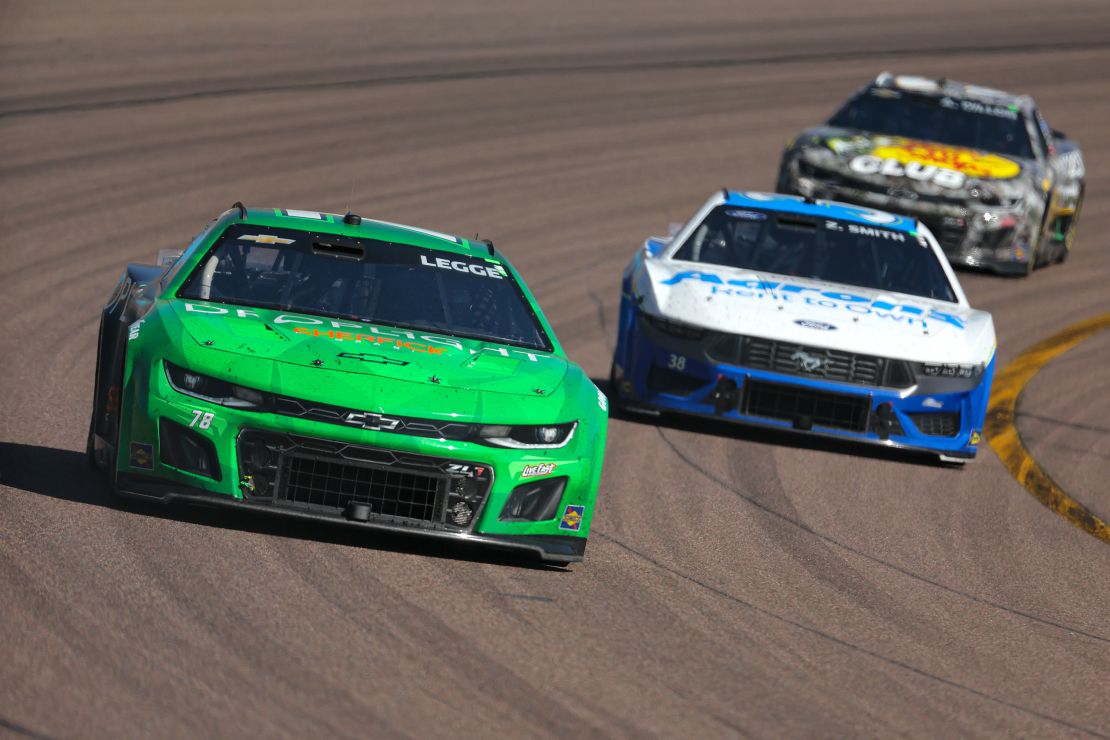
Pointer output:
x,y
653,371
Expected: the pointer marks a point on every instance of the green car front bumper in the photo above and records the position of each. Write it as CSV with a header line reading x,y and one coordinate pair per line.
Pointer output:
x,y
176,447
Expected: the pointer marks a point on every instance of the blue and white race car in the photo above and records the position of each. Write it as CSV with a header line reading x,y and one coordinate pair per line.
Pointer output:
x,y
806,315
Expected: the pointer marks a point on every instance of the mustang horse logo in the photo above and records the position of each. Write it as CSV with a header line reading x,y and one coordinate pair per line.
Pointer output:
x,y
807,362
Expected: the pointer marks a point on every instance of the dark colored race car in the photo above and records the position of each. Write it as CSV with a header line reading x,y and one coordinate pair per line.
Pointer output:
x,y
980,167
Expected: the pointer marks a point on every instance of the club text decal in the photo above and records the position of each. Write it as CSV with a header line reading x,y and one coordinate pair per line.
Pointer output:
x,y
945,166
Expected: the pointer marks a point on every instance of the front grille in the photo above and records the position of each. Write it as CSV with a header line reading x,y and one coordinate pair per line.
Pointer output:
x,y
311,482
326,477
673,328
908,196
812,362
937,424
805,407
996,238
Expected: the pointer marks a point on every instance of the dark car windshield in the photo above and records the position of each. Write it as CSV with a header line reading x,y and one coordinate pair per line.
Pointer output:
x,y
826,249
966,123
367,280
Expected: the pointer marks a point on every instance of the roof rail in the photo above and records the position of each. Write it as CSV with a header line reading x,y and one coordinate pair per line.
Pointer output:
x,y
884,79
489,245
242,208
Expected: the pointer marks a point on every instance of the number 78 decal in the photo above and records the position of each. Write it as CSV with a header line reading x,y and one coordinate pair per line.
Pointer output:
x,y
202,419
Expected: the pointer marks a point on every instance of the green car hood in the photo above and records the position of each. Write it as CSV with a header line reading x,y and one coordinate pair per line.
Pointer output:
x,y
383,353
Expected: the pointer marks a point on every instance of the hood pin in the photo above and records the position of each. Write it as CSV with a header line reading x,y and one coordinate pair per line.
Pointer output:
x,y
317,363
434,379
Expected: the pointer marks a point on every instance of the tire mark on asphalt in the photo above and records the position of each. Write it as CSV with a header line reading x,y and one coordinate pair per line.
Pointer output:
x,y
258,88
833,541
829,539
416,625
21,730
846,643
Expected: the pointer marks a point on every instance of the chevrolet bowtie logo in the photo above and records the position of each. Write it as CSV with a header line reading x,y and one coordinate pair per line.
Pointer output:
x,y
265,239
373,422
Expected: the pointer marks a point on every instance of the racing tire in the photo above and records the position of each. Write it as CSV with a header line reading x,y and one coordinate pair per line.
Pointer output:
x,y
111,470
615,406
90,445
1065,248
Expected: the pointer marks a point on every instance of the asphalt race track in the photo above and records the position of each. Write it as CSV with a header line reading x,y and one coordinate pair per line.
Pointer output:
x,y
736,583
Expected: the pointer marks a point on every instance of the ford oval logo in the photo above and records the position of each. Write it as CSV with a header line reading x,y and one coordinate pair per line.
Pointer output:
x,y
811,324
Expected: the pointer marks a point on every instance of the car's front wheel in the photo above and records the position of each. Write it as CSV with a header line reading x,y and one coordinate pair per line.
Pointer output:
x,y
1069,238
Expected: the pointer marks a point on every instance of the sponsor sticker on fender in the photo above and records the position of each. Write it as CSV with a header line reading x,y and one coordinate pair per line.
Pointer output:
x,y
534,471
142,455
572,518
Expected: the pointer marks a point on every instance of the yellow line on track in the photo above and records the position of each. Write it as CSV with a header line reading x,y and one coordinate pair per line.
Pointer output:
x,y
1003,435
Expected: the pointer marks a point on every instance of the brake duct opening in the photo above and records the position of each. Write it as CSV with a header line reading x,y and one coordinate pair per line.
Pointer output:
x,y
725,396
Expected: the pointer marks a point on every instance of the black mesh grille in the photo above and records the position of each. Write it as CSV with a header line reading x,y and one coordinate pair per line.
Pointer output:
x,y
327,476
805,407
945,424
904,197
393,494
814,362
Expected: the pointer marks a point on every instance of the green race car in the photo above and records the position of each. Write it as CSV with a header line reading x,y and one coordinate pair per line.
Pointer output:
x,y
348,370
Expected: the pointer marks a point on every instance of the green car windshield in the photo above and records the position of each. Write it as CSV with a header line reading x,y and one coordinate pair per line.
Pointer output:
x,y
367,280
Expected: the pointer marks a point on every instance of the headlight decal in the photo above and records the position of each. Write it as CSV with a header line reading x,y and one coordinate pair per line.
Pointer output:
x,y
225,393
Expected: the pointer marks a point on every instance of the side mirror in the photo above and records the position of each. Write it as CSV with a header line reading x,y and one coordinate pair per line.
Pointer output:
x,y
654,246
167,257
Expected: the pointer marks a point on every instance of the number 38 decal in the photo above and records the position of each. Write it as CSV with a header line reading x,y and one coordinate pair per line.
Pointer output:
x,y
202,419
676,362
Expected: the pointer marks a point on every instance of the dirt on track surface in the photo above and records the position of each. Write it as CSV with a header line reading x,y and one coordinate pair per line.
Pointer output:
x,y
735,583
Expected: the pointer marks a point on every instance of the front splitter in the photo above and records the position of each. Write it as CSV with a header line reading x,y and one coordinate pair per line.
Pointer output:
x,y
549,548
